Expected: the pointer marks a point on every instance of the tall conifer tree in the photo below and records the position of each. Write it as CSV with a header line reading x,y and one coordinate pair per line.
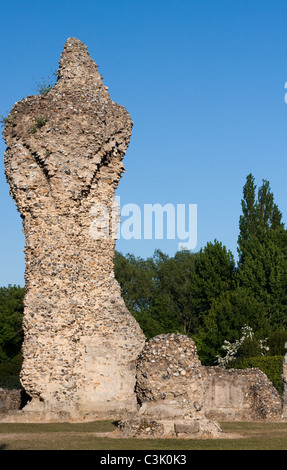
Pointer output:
x,y
262,248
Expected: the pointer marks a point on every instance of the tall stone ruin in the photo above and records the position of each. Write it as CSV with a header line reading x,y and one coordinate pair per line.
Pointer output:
x,y
63,163
85,356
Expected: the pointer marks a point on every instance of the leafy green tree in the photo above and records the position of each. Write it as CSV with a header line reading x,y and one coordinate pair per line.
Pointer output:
x,y
276,343
262,247
260,216
214,275
157,291
136,278
11,317
175,282
264,273
228,314
141,291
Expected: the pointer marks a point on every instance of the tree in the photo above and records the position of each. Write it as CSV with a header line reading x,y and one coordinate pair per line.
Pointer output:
x,y
262,247
11,317
259,217
228,314
248,219
158,290
175,282
276,343
214,275
143,294
136,278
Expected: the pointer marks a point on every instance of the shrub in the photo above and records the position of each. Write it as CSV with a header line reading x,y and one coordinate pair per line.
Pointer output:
x,y
247,346
4,119
39,122
47,84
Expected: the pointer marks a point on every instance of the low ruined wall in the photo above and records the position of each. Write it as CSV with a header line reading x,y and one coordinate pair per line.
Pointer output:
x,y
173,388
241,395
10,400
172,380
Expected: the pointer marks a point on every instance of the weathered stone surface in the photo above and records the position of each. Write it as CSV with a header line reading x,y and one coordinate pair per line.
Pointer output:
x,y
10,400
184,398
147,427
63,161
183,428
171,385
241,395
170,376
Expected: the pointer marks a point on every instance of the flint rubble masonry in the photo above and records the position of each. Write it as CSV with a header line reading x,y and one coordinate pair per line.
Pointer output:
x,y
64,155
174,387
171,385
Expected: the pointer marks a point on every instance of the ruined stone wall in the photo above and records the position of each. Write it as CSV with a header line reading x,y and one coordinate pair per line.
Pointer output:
x,y
241,395
170,387
63,162
173,385
10,400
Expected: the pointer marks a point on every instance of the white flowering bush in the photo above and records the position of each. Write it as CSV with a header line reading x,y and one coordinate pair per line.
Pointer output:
x,y
232,349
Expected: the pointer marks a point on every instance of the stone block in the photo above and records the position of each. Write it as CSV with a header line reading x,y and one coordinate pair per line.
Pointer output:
x,y
187,428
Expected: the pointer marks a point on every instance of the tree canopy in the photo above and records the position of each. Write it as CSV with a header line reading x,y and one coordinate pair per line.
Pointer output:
x,y
11,316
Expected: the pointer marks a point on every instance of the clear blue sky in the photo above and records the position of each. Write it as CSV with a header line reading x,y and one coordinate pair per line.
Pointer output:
x,y
203,81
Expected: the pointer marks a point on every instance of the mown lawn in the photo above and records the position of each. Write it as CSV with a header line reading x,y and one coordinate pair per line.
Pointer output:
x,y
85,436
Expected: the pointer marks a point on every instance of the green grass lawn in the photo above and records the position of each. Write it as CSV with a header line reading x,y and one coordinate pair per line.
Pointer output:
x,y
85,436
